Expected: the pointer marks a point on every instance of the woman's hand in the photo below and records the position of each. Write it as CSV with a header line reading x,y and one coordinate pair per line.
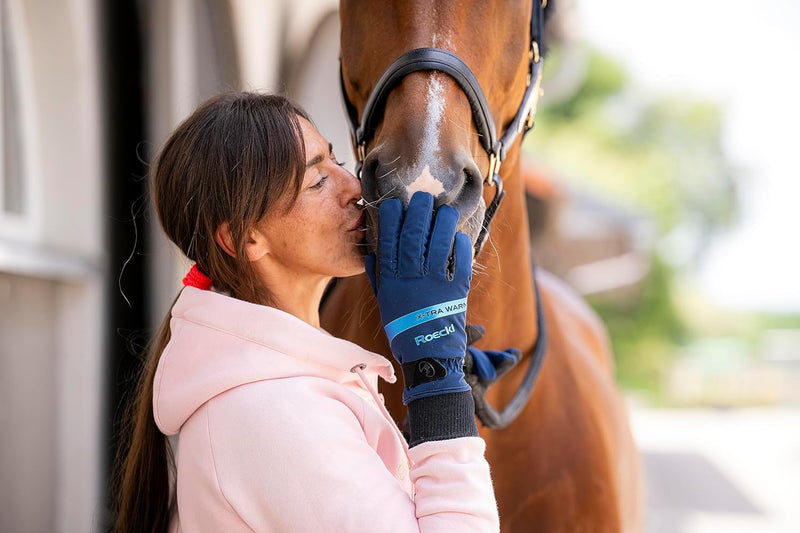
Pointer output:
x,y
421,281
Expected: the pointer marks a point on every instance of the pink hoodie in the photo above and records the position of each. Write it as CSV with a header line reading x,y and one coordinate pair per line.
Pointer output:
x,y
282,429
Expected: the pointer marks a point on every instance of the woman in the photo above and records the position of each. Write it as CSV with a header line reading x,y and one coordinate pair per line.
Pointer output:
x,y
280,424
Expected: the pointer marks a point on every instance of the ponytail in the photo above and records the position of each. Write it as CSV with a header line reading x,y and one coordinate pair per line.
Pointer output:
x,y
145,466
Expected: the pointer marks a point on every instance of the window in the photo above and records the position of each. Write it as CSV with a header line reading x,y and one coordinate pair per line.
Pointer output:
x,y
12,191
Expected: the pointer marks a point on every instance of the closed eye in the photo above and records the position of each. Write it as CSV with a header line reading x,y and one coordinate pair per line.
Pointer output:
x,y
320,183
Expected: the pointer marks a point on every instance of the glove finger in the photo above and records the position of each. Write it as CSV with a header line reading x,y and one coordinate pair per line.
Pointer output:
x,y
497,358
481,365
369,266
442,236
462,255
504,361
414,235
391,219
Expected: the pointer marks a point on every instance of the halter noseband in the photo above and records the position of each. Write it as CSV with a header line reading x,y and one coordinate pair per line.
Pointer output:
x,y
423,59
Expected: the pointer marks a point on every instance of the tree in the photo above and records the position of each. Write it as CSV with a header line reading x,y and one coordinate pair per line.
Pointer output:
x,y
662,155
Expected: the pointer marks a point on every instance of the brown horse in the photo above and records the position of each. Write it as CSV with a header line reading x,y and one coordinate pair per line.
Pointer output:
x,y
567,463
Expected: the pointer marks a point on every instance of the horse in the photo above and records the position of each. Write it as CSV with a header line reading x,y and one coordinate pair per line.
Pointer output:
x,y
416,76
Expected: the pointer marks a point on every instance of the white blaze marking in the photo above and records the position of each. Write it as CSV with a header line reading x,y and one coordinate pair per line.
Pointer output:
x,y
430,136
430,141
425,182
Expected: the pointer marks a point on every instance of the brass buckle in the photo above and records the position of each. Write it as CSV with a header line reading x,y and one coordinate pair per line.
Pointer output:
x,y
494,168
362,150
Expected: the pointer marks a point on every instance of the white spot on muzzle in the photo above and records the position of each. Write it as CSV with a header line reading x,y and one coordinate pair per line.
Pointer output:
x,y
425,182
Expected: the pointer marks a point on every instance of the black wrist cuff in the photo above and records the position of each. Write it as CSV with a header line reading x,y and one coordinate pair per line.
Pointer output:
x,y
441,417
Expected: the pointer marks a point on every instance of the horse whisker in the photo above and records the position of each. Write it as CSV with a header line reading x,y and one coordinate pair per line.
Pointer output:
x,y
394,169
496,253
464,127
377,202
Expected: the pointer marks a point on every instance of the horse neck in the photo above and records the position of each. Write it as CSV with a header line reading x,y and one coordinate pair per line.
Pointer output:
x,y
502,297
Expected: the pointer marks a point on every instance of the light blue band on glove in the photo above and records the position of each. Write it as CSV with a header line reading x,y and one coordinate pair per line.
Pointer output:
x,y
420,316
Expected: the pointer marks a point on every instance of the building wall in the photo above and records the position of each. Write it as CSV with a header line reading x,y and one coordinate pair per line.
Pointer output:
x,y
52,273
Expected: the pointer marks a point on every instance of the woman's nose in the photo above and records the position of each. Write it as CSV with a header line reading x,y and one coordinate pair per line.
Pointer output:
x,y
351,185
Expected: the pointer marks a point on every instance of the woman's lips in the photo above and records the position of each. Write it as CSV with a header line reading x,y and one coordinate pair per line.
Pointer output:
x,y
359,225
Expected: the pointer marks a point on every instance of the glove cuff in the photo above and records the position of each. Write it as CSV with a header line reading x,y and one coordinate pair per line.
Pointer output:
x,y
431,376
441,417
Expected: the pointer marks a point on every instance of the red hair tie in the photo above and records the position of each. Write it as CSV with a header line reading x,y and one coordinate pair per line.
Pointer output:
x,y
195,278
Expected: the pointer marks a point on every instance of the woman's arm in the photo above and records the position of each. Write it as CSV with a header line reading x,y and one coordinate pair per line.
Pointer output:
x,y
289,457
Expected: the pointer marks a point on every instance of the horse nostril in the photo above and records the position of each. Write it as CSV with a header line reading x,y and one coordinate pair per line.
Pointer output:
x,y
472,179
368,183
471,175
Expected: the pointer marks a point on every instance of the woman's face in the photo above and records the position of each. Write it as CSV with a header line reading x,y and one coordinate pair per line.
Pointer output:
x,y
323,232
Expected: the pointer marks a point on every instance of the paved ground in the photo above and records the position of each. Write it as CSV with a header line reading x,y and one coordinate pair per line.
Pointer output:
x,y
721,471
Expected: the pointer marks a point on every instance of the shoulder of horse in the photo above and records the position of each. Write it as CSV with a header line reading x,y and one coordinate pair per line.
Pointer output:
x,y
573,315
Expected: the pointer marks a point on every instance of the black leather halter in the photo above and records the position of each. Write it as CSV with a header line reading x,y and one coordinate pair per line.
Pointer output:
x,y
422,59
437,59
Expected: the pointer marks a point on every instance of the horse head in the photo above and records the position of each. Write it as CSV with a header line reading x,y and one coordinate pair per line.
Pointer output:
x,y
425,128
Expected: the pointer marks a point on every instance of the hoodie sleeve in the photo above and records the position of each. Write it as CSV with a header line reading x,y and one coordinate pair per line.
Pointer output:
x,y
290,458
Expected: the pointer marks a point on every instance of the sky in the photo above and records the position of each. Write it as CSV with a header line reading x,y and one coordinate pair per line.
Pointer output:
x,y
742,55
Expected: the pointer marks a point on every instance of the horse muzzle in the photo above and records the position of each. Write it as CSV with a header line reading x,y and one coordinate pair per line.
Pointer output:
x,y
457,183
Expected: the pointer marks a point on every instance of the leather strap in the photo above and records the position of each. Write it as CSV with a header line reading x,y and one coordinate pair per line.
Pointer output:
x,y
487,414
422,59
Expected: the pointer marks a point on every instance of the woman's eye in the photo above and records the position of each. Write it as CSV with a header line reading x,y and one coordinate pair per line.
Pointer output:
x,y
340,163
320,183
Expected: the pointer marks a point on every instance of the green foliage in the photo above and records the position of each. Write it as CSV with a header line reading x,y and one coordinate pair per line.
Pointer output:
x,y
664,157
659,155
603,79
644,330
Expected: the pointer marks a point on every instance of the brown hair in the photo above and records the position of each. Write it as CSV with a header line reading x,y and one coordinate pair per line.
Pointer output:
x,y
231,161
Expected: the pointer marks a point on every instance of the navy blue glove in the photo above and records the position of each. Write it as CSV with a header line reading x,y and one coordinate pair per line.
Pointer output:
x,y
482,368
489,365
422,289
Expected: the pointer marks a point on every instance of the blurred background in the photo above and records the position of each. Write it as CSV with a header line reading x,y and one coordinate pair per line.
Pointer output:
x,y
662,181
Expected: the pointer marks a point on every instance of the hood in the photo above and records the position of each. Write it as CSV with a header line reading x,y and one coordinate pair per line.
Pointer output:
x,y
219,343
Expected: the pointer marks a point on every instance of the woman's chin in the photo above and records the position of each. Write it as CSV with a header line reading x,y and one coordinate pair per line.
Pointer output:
x,y
354,264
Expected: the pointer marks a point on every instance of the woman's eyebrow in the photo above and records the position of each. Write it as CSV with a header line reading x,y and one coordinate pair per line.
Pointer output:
x,y
319,158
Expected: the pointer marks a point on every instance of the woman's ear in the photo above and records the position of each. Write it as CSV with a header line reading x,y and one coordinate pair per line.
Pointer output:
x,y
223,238
255,248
